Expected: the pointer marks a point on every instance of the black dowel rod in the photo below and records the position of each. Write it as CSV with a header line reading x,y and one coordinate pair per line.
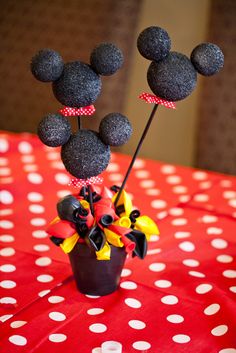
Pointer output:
x,y
79,122
90,197
136,152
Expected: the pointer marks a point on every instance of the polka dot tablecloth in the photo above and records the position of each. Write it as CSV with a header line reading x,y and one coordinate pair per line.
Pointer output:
x,y
180,298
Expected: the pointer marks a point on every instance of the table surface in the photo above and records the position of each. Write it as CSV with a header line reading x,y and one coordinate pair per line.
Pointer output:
x,y
180,298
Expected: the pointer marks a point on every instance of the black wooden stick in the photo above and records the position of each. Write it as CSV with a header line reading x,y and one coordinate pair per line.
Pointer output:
x,y
136,152
90,197
79,122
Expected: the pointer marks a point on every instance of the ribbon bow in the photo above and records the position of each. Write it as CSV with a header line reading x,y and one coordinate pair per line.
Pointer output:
x,y
151,98
68,111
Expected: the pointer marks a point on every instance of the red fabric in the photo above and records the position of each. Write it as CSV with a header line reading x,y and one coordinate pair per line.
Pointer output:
x,y
180,298
151,98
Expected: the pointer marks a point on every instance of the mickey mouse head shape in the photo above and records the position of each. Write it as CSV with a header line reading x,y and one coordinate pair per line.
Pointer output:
x,y
171,75
76,84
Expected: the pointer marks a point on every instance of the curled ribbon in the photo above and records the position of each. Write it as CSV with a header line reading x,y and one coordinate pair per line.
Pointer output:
x,y
68,111
151,98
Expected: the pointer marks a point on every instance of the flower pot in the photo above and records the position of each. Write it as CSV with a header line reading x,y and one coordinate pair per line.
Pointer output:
x,y
96,277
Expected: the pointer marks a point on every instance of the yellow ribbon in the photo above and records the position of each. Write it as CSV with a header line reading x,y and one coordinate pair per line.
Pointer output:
x,y
113,238
146,225
104,253
125,201
69,243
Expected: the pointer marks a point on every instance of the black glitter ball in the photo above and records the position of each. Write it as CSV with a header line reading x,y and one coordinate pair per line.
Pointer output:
x,y
154,43
54,130
85,155
207,59
106,59
47,65
172,79
78,85
115,129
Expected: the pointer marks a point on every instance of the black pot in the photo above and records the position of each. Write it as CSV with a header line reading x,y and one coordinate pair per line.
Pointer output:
x,y
96,277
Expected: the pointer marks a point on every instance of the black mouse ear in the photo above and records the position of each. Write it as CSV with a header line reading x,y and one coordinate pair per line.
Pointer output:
x,y
154,43
207,58
115,129
47,65
106,59
54,130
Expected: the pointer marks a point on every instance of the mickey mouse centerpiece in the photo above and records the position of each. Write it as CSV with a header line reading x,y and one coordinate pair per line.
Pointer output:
x,y
96,234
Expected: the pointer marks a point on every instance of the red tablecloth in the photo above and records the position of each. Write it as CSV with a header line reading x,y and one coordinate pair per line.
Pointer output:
x,y
180,298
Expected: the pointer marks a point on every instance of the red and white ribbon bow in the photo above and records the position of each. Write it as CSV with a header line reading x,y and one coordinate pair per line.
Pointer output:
x,y
68,111
151,98
78,183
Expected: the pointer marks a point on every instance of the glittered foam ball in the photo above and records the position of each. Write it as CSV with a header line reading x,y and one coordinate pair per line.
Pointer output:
x,y
54,130
106,59
172,79
47,65
154,43
85,155
78,86
115,129
207,59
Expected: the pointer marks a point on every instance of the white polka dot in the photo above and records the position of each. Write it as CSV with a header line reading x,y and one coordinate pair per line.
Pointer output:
x,y
181,235
133,303
162,215
169,299
25,147
7,268
228,350
191,262
157,266
187,246
209,219
184,198
34,197
212,309
137,324
125,272
153,251
168,169
113,167
43,261
27,159
62,178
115,177
128,285
36,209
57,165
179,222
154,238
63,193
163,283
232,289
214,231
199,175
18,340
44,278
57,316
7,180
39,234
5,171
139,163
35,178
92,296
180,189
53,155
8,300
57,337
38,222
225,259
141,345
97,328
55,299
97,350
173,179
181,338
3,161
7,252
204,288
219,243
175,319
4,145
6,224
201,198
6,212
7,284
95,311
232,202
17,324
147,183
41,247
229,194
158,204
152,192
30,168
44,292
219,330
142,174
4,318
6,238
6,197
229,273
176,211
196,274
205,185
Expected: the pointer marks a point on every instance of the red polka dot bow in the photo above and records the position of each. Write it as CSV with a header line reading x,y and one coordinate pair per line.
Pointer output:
x,y
151,98
68,111
78,183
